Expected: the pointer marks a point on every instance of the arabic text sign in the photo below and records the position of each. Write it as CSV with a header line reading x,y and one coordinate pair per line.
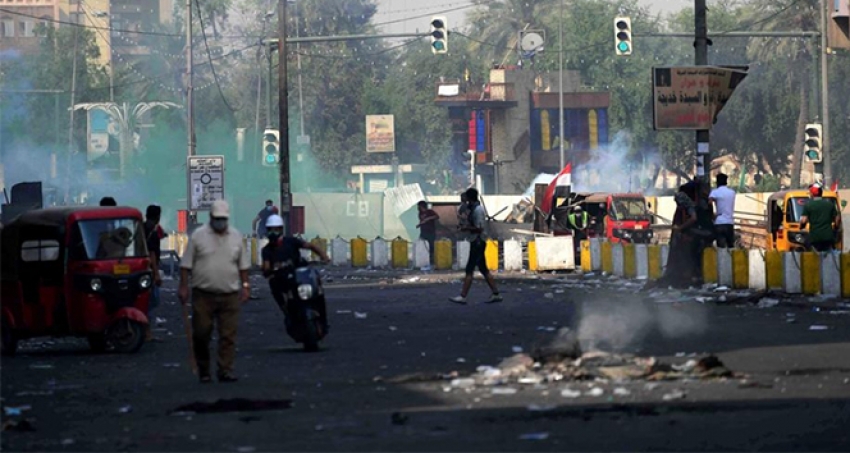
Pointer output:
x,y
380,134
691,97
206,181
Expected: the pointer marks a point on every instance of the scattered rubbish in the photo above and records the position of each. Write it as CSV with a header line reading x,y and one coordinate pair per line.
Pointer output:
x,y
818,327
768,302
125,409
20,426
41,366
461,360
319,428
233,405
674,395
681,354
595,391
539,408
516,349
393,328
549,295
359,315
160,321
530,379
398,418
463,383
534,436
503,391
13,411
620,391
570,393
650,386
721,289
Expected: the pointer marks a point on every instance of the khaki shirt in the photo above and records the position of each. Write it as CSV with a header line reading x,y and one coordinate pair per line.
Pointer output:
x,y
215,260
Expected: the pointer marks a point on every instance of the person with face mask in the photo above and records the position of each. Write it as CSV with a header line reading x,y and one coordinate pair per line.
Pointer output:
x,y
217,260
282,253
259,224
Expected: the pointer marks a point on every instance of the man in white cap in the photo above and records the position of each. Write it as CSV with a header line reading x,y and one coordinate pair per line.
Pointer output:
x,y
218,262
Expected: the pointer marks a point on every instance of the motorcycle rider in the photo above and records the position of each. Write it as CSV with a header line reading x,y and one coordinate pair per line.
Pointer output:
x,y
283,254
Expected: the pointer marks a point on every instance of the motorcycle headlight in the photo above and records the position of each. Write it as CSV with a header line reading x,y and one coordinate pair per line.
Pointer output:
x,y
305,291
96,284
145,281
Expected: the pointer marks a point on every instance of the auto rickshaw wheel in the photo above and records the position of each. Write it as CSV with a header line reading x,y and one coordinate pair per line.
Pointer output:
x,y
10,342
126,336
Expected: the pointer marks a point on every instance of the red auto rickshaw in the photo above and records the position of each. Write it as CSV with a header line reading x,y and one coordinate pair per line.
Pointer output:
x,y
76,271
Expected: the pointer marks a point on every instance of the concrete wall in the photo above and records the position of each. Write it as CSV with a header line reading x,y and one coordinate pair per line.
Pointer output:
x,y
508,125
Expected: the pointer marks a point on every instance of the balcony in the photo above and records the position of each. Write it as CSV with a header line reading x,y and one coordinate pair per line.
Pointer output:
x,y
491,96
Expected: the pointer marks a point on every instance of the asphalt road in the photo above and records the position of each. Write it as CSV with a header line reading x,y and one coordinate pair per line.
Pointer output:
x,y
372,386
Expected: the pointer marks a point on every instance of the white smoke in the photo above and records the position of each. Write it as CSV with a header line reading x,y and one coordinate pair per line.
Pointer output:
x,y
612,168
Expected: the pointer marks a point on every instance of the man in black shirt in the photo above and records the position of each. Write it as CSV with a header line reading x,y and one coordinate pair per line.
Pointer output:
x,y
153,214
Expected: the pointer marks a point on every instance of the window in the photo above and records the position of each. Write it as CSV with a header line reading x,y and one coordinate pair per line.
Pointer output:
x,y
109,239
40,250
29,28
8,28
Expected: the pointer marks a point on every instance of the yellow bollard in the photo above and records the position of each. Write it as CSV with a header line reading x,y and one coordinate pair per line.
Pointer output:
x,y
709,265
491,255
399,254
321,243
629,261
740,269
607,258
656,269
443,254
254,251
773,266
586,259
810,272
845,275
358,252
532,256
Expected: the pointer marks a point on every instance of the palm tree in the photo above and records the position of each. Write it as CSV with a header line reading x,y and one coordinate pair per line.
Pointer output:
x,y
798,56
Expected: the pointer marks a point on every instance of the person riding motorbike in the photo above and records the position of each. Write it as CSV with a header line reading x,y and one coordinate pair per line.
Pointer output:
x,y
282,255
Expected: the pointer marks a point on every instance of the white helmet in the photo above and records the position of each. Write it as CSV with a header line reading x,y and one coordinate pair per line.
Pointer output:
x,y
274,221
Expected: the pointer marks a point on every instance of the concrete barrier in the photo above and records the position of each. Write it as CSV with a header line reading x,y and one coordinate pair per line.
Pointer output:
x,y
709,265
555,253
629,261
532,256
596,254
724,267
641,261
830,273
491,254
810,273
339,251
359,256
775,269
618,257
791,273
740,269
443,254
584,256
757,272
656,262
607,257
380,253
421,254
462,254
512,255
845,275
399,255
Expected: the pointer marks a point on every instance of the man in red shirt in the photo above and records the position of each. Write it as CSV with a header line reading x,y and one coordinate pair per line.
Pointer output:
x,y
428,227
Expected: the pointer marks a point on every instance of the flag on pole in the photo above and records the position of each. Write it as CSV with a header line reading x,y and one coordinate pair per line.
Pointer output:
x,y
563,179
834,187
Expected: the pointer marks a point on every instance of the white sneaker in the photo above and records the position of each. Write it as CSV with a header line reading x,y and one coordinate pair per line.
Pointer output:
x,y
494,298
458,300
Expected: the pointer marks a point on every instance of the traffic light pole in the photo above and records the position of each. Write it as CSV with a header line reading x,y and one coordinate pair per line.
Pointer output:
x,y
826,150
701,43
283,127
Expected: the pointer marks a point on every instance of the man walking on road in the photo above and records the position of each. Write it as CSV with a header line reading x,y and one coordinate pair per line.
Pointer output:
x,y
427,227
153,213
476,227
724,214
218,262
822,214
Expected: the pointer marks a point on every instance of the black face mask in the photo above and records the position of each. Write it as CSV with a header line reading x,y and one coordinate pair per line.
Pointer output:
x,y
274,235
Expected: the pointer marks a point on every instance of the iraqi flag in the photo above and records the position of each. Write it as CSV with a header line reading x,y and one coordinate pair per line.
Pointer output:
x,y
834,187
563,179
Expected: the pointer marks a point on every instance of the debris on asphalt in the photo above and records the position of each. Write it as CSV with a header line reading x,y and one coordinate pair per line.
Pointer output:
x,y
768,302
595,391
534,436
125,409
621,391
674,395
503,391
818,327
461,360
393,328
570,393
359,315
13,411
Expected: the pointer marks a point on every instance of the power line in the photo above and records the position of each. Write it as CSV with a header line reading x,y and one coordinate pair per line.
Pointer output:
x,y
209,56
374,54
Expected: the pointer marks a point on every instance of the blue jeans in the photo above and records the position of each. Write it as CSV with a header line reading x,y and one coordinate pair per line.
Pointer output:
x,y
154,299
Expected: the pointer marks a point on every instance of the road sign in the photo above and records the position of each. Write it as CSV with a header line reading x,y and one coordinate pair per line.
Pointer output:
x,y
691,97
206,181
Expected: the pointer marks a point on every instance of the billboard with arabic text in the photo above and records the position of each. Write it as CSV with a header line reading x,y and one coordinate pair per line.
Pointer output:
x,y
691,97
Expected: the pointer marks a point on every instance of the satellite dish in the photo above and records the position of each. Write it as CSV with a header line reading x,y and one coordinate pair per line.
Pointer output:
x,y
531,42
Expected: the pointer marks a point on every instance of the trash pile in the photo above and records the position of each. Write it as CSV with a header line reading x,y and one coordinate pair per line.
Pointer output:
x,y
563,361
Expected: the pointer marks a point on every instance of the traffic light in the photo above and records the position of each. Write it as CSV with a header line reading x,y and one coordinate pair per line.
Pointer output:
x,y
623,35
439,35
271,147
813,151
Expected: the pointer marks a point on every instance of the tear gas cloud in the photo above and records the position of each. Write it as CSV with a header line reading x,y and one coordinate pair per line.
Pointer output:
x,y
619,325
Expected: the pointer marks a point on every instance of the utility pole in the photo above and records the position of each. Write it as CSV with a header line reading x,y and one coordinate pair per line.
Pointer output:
x,y
701,43
73,100
298,63
561,84
269,89
283,107
826,150
190,108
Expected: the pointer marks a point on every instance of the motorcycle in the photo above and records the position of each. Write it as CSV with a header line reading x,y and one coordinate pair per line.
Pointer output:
x,y
299,294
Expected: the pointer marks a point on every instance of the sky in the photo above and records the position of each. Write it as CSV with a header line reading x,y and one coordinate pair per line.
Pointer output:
x,y
397,11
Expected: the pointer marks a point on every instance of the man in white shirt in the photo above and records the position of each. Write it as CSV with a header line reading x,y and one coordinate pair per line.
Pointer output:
x,y
724,213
